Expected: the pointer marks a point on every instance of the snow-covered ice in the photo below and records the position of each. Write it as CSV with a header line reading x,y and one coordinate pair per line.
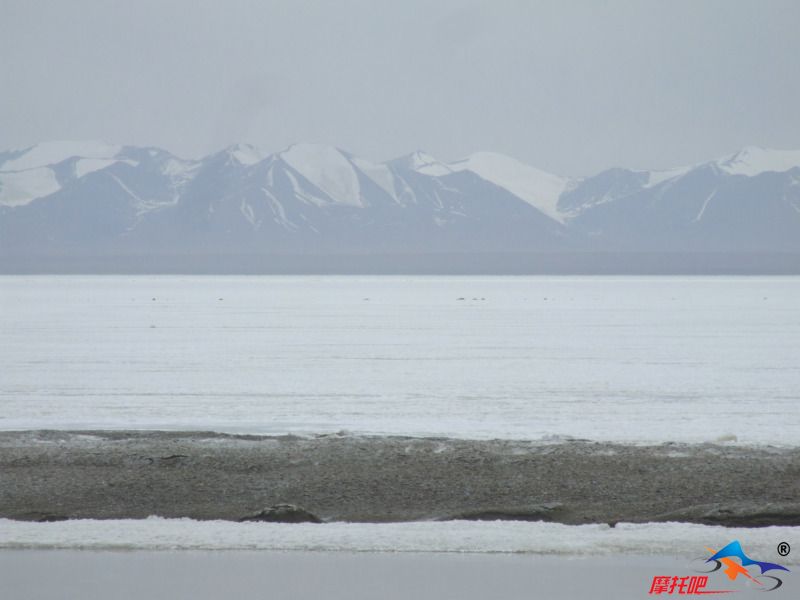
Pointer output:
x,y
636,359
155,533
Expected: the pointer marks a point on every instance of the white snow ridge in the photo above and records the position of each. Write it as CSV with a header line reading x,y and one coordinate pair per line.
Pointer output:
x,y
246,154
328,169
29,176
52,153
752,160
538,188
18,188
424,163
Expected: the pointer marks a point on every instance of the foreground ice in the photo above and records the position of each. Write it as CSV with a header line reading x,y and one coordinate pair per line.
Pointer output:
x,y
155,533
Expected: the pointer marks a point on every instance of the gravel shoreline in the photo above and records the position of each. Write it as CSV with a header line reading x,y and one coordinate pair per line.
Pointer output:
x,y
52,475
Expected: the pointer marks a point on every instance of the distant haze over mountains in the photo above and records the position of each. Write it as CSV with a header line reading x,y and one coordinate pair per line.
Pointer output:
x,y
96,207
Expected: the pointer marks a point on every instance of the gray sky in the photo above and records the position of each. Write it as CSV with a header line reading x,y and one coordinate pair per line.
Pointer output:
x,y
572,87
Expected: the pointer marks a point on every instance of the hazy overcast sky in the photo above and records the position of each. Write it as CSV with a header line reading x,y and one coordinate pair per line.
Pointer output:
x,y
572,87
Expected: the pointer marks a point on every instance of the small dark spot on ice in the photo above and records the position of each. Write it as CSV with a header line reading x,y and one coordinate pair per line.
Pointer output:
x,y
460,298
152,326
219,299
153,299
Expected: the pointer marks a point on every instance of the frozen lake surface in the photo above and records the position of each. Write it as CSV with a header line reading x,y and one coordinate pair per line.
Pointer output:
x,y
630,359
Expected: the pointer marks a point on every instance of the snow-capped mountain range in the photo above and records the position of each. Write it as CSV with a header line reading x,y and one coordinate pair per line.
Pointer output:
x,y
96,199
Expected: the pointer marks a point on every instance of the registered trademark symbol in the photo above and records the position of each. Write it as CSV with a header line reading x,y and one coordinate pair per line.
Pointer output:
x,y
784,549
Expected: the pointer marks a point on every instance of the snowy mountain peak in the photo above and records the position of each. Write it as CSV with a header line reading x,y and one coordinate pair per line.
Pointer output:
x,y
30,173
422,162
245,154
753,160
655,178
87,199
329,169
306,152
538,188
52,153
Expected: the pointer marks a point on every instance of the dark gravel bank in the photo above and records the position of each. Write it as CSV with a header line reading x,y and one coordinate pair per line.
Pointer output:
x,y
47,475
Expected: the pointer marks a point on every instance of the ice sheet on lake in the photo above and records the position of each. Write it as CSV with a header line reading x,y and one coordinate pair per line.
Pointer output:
x,y
628,359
